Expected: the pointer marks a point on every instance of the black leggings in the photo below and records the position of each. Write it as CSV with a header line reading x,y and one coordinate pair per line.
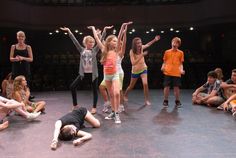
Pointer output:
x,y
78,82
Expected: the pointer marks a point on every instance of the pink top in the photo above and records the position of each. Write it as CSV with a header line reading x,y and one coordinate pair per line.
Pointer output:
x,y
109,67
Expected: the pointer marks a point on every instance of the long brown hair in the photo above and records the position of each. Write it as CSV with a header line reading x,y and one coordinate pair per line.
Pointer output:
x,y
134,45
107,47
17,84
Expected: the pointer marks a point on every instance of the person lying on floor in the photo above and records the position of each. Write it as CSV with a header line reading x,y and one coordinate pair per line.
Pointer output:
x,y
6,106
69,126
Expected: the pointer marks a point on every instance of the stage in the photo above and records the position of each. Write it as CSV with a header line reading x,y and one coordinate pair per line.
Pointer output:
x,y
145,131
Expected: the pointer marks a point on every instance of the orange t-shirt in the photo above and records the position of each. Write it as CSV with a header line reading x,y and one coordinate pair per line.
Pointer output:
x,y
109,67
173,60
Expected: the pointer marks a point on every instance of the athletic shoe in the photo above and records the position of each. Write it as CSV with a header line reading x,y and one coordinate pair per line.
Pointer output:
x,y
117,118
106,106
220,107
178,104
165,103
32,116
121,108
234,114
110,116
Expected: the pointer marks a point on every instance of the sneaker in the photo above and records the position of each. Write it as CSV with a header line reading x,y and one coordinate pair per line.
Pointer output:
x,y
110,116
32,116
165,103
234,114
106,106
178,104
117,118
121,108
220,107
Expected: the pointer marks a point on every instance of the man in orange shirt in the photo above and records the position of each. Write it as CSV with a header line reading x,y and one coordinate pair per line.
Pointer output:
x,y
172,68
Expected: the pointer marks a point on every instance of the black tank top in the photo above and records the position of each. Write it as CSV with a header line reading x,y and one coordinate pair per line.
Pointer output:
x,y
21,67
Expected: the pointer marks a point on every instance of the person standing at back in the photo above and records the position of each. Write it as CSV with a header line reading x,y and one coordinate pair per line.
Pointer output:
x,y
21,56
172,69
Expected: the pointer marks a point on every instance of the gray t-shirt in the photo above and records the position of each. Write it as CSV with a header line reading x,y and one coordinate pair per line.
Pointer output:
x,y
86,58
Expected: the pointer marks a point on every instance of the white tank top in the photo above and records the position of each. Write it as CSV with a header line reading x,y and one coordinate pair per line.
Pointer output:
x,y
118,64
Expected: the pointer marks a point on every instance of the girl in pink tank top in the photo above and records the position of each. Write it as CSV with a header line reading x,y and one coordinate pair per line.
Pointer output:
x,y
110,51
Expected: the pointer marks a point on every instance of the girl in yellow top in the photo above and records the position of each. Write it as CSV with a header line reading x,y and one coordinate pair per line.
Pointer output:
x,y
172,68
139,67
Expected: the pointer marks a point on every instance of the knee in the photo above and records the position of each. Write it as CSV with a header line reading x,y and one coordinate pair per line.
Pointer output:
x,y
117,93
102,88
43,103
97,124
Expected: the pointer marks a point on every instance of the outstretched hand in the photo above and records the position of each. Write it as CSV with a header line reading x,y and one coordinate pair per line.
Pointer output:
x,y
91,27
54,145
128,23
108,27
65,29
157,38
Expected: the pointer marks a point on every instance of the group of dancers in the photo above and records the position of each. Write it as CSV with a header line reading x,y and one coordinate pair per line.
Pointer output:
x,y
112,50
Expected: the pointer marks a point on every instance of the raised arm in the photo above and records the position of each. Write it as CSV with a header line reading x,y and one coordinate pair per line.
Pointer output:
x,y
123,45
83,137
101,37
99,42
157,38
56,133
72,37
122,31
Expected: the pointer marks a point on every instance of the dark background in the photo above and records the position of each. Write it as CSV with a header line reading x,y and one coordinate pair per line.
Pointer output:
x,y
211,44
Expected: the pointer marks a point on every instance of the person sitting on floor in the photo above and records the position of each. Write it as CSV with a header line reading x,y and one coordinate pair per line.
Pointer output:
x,y
7,105
228,88
7,86
212,95
21,93
230,105
69,126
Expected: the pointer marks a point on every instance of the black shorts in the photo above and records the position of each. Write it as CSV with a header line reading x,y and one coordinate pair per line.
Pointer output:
x,y
172,81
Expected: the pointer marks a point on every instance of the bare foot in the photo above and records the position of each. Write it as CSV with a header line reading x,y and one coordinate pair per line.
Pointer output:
x,y
93,111
4,125
147,103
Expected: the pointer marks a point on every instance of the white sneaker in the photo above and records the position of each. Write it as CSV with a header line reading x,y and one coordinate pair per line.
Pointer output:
x,y
117,118
110,116
121,108
106,106
32,116
234,114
